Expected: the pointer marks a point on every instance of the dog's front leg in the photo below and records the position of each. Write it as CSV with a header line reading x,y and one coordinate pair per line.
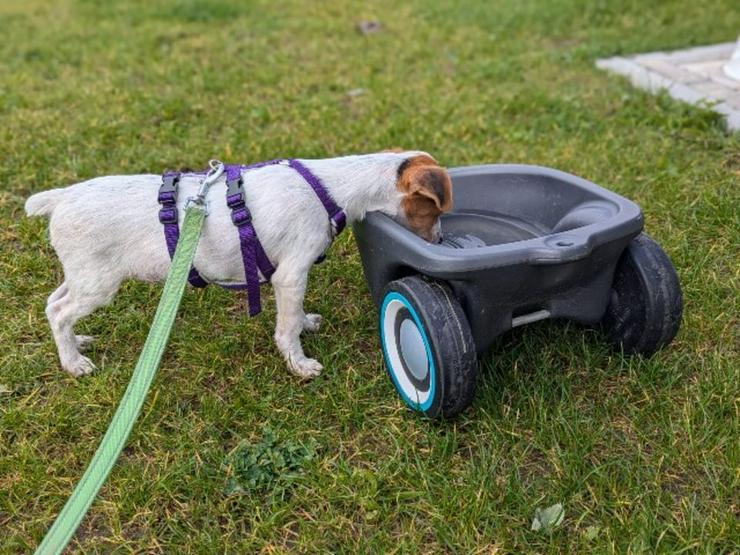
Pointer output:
x,y
290,288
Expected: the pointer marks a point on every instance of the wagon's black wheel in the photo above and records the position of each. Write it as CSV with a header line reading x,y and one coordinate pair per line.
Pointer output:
x,y
428,346
645,307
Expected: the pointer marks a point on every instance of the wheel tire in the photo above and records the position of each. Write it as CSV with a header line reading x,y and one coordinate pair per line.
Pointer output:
x,y
645,306
428,346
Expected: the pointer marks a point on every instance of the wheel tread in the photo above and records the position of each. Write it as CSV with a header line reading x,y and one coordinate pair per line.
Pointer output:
x,y
457,363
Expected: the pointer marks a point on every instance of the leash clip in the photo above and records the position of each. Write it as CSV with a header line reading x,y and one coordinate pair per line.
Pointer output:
x,y
216,171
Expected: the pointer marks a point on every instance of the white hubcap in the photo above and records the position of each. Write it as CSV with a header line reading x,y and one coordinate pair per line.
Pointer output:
x,y
407,352
413,350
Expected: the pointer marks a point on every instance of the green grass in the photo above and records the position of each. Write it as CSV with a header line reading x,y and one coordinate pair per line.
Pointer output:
x,y
642,453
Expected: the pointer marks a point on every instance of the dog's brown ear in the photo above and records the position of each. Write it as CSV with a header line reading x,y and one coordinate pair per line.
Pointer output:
x,y
422,176
434,182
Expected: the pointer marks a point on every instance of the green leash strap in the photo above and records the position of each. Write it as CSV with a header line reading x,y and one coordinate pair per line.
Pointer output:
x,y
123,421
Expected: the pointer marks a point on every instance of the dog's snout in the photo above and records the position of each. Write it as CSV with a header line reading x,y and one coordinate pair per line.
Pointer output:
x,y
436,233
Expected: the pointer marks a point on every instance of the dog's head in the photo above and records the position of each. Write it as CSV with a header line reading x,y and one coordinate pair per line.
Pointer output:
x,y
426,193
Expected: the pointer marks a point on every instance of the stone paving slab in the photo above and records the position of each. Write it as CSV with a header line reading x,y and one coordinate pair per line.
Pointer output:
x,y
693,75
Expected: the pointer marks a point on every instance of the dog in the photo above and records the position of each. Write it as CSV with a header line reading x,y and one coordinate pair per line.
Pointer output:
x,y
106,230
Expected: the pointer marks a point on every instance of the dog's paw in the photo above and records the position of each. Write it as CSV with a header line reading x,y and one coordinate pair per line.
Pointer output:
x,y
80,367
305,368
83,341
312,322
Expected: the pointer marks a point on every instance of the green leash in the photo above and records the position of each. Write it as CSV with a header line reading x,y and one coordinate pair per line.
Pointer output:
x,y
123,421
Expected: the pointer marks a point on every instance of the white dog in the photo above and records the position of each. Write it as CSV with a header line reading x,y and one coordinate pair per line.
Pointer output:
x,y
106,230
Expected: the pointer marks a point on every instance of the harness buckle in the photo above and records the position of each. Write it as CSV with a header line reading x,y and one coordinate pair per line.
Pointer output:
x,y
235,192
169,183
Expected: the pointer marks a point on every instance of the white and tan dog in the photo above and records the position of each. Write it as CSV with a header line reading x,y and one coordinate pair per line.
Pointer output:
x,y
106,230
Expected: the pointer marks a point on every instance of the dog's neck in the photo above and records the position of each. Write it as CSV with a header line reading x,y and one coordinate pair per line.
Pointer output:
x,y
362,183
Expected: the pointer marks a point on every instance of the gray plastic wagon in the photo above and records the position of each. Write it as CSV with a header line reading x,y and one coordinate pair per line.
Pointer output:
x,y
523,243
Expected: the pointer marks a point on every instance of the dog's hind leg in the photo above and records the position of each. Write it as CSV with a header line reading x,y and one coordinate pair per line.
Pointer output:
x,y
290,288
58,293
83,341
64,308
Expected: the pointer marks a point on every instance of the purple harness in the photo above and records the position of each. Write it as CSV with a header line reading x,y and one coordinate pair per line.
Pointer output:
x,y
253,255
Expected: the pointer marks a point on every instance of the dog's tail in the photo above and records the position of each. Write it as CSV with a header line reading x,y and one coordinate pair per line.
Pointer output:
x,y
43,203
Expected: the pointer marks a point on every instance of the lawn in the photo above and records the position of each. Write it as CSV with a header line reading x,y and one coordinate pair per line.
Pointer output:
x,y
643,453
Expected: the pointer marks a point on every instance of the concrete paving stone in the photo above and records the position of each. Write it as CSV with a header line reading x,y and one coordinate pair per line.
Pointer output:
x,y
645,79
712,70
720,93
650,57
694,75
721,51
732,115
672,71
705,67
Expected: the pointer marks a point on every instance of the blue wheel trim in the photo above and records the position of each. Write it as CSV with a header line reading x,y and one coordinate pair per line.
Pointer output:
x,y
394,295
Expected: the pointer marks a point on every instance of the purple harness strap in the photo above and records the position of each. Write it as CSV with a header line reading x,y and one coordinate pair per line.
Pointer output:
x,y
168,216
254,257
337,217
